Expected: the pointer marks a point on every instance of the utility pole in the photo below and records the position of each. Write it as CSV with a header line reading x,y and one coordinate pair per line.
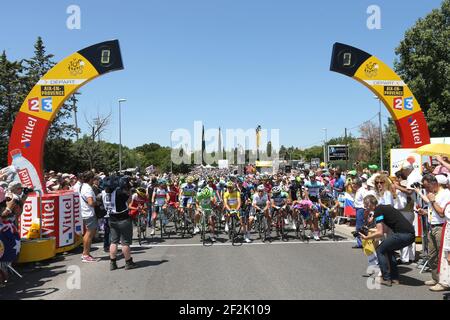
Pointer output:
x,y
381,137
346,143
74,101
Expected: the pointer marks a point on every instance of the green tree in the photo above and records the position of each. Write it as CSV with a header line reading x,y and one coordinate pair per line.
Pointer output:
x,y
424,63
12,94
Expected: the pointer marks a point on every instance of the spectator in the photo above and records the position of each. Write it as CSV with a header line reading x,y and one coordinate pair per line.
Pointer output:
x,y
382,190
404,204
361,192
75,183
116,204
443,167
437,198
87,206
402,235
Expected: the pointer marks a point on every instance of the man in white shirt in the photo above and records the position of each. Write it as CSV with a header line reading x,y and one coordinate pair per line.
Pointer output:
x,y
87,205
438,197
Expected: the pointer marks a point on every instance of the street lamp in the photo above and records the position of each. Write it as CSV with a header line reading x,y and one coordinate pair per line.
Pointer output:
x,y
381,134
171,150
120,135
325,146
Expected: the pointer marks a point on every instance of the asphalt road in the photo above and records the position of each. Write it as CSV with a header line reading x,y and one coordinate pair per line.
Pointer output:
x,y
184,269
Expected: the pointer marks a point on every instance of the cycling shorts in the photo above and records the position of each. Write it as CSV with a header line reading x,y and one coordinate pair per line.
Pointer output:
x,y
186,201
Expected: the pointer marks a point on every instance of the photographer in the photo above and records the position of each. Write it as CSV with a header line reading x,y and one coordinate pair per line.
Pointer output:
x,y
116,202
437,198
402,236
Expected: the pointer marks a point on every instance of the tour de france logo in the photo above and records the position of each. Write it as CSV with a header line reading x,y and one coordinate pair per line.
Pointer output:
x,y
76,67
371,69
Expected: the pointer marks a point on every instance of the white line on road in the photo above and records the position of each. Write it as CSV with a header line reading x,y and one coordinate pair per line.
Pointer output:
x,y
230,244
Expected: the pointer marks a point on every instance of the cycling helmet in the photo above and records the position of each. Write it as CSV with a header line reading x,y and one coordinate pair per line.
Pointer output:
x,y
222,183
261,188
162,181
230,184
141,192
276,190
190,179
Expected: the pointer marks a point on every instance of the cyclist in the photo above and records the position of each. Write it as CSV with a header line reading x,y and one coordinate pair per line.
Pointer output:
x,y
139,203
232,202
308,210
261,203
247,218
187,195
173,191
204,202
160,199
279,202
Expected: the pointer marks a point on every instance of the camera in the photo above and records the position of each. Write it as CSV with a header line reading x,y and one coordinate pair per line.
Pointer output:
x,y
26,190
16,199
364,230
416,185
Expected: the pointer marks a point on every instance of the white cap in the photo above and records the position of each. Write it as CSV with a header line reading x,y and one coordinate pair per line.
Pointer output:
x,y
365,177
442,179
405,166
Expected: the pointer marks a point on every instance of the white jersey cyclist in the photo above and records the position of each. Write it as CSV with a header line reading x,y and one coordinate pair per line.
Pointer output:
x,y
160,196
260,201
188,192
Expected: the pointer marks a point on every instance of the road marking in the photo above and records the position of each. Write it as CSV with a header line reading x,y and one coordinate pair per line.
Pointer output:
x,y
229,244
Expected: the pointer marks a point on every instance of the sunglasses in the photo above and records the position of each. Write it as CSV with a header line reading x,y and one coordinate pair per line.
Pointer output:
x,y
379,182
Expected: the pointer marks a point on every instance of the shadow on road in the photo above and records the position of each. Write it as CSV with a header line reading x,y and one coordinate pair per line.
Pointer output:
x,y
35,275
147,263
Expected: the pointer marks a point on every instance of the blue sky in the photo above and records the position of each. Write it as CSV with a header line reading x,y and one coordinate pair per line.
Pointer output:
x,y
228,63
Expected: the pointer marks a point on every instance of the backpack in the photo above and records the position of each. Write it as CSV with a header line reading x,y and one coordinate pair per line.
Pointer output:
x,y
111,183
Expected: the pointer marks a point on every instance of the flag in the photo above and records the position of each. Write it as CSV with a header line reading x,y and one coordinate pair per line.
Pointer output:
x,y
349,206
9,242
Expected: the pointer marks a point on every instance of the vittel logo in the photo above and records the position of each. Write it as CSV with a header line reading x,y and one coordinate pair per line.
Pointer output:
x,y
25,178
67,216
415,129
27,133
48,217
27,218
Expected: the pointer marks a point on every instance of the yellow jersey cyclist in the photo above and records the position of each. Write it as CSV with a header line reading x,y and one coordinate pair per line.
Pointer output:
x,y
231,202
204,202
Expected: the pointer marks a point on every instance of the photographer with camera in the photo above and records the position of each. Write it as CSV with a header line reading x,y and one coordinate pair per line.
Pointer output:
x,y
116,200
402,235
16,195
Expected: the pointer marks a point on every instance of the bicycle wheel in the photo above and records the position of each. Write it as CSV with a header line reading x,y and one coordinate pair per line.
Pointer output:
x,y
283,231
301,228
331,224
185,223
203,231
230,228
143,227
233,228
139,230
161,227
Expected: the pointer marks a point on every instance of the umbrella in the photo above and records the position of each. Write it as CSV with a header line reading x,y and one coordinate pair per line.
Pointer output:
x,y
438,149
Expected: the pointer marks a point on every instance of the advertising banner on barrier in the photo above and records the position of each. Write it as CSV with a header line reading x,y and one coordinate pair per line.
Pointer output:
x,y
77,220
29,213
66,221
50,216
